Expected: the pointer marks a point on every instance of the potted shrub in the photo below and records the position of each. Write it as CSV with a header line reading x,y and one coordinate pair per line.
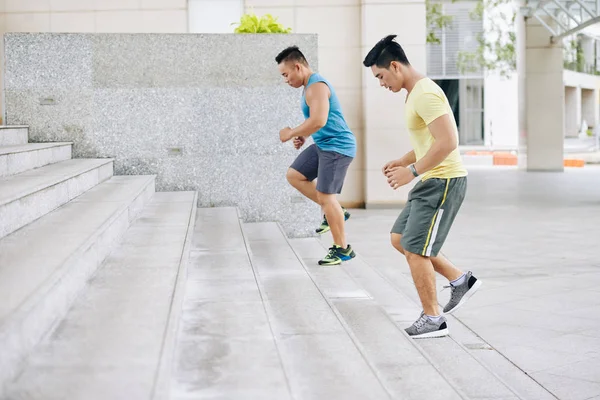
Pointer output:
x,y
250,23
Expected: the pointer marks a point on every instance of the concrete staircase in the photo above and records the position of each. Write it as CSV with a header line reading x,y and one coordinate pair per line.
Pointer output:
x,y
261,320
111,291
88,267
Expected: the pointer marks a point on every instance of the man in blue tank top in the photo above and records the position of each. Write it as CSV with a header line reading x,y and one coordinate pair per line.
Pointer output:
x,y
326,160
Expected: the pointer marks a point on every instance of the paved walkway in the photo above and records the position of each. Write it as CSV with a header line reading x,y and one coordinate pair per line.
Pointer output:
x,y
534,240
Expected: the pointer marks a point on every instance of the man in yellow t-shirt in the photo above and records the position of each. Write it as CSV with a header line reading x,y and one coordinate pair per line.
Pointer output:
x,y
424,223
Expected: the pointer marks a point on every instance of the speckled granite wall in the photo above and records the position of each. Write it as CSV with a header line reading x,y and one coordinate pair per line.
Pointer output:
x,y
203,112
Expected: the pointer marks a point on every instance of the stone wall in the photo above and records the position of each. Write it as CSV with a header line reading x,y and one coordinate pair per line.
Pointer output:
x,y
202,112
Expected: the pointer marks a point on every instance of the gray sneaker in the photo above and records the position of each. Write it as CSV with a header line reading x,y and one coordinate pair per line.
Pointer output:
x,y
424,328
461,293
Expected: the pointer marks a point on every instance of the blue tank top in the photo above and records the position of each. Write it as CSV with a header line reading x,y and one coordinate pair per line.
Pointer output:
x,y
335,135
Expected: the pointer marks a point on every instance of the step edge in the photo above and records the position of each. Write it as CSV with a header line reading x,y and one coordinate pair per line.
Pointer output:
x,y
53,182
22,148
161,388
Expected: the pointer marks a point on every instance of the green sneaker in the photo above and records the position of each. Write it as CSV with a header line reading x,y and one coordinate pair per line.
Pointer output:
x,y
325,225
337,254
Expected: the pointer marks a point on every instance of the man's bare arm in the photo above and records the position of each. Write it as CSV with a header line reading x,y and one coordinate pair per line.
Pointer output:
x,y
445,142
407,159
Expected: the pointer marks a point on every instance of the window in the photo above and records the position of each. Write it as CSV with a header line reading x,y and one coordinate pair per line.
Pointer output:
x,y
466,99
460,35
214,16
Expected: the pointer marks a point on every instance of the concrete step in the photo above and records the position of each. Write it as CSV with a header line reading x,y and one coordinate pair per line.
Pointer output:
x,y
13,135
225,348
29,195
398,363
24,157
46,264
466,352
321,356
110,343
462,365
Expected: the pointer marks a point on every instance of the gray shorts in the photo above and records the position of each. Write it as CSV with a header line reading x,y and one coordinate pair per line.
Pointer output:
x,y
329,167
429,213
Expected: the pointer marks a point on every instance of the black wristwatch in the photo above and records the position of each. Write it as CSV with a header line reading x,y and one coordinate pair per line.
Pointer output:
x,y
413,170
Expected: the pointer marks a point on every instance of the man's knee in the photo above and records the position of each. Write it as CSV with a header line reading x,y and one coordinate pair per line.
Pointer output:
x,y
294,176
410,257
326,199
395,239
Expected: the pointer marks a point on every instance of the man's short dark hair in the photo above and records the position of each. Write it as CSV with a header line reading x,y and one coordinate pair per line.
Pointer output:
x,y
384,52
292,54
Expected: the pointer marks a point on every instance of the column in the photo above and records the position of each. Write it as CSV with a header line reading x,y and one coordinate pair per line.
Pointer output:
x,y
589,107
572,111
588,47
544,99
521,53
338,25
386,136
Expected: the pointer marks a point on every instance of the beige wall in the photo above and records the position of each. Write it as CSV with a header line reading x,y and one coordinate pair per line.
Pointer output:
x,y
338,24
94,15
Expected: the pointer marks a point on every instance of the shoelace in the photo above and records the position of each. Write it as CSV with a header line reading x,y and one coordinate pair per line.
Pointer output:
x,y
332,253
420,322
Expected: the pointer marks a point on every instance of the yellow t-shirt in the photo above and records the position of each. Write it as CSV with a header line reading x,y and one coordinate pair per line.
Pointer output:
x,y
425,103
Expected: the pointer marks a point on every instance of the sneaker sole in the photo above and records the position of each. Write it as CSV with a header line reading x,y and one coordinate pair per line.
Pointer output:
x,y
466,297
429,335
327,264
324,231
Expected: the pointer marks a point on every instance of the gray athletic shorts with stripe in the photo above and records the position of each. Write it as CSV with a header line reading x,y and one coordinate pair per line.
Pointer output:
x,y
328,167
429,213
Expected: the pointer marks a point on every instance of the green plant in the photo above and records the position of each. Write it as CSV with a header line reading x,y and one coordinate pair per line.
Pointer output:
x,y
570,54
580,58
496,45
250,23
435,20
574,57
